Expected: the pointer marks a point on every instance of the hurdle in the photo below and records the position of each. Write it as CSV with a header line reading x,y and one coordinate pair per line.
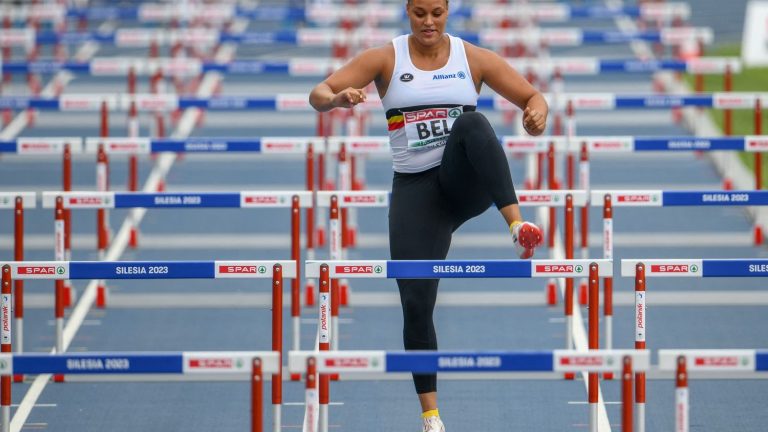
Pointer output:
x,y
213,365
701,363
641,269
373,363
62,270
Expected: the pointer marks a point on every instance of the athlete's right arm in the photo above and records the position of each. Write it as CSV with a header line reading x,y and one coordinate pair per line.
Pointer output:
x,y
345,88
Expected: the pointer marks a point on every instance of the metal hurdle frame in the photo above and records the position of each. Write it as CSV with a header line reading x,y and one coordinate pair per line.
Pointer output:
x,y
59,271
641,269
703,362
372,363
214,365
327,271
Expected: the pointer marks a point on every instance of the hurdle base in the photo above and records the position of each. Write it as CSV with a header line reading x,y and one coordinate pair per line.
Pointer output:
x,y
583,297
551,294
758,235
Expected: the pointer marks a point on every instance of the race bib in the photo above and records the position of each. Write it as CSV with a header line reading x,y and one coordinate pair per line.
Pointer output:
x,y
429,128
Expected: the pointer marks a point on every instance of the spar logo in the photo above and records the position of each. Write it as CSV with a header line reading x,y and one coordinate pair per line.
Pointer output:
x,y
261,199
637,198
722,361
427,114
358,269
585,361
40,270
129,146
557,268
608,145
215,363
245,269
281,146
351,363
37,146
539,198
363,199
522,144
80,201
674,268
756,143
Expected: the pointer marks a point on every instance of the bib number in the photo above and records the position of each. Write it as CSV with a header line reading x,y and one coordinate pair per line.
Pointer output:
x,y
429,128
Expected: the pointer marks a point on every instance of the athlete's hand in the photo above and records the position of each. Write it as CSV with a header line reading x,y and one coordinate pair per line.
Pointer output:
x,y
349,97
534,122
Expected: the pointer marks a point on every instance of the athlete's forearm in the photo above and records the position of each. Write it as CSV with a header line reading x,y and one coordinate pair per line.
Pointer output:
x,y
538,103
321,97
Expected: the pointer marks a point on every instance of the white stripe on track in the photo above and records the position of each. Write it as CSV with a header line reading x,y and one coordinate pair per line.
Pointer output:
x,y
162,166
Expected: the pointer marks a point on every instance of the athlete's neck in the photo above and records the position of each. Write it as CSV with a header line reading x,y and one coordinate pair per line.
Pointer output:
x,y
432,51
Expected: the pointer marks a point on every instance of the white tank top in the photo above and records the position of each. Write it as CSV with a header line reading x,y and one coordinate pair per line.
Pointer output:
x,y
421,106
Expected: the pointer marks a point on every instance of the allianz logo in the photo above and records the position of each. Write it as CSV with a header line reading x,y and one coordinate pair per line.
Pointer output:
x,y
460,75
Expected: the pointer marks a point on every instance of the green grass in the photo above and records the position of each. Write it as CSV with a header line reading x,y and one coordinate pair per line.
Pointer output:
x,y
750,79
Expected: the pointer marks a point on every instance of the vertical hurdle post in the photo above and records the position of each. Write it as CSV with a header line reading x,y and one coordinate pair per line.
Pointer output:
x,y
570,132
626,396
345,184
295,288
326,333
102,233
323,123
551,226
257,396
67,186
309,292
640,334
335,243
608,281
5,380
682,404
59,283
133,171
594,340
728,113
584,216
758,229
18,285
277,343
569,281
310,394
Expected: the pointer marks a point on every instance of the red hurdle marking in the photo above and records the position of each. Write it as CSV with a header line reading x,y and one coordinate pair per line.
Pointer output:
x,y
18,285
133,170
324,127
758,230
594,336
336,253
257,399
627,411
640,334
102,232
584,215
5,346
682,407
345,183
295,283
608,281
551,227
309,292
59,283
325,339
569,281
277,338
311,394
67,186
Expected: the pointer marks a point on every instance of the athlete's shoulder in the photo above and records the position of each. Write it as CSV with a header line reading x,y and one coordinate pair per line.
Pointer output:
x,y
379,55
477,54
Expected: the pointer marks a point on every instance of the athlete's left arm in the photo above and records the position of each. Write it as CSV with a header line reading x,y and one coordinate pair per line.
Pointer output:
x,y
489,68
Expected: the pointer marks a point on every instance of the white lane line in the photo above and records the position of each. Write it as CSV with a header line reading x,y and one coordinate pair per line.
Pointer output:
x,y
158,173
587,403
49,405
301,404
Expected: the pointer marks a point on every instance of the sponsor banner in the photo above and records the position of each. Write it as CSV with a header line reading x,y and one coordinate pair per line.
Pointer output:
x,y
119,145
575,66
359,145
599,360
714,360
665,11
6,364
84,102
39,270
141,270
458,269
663,268
48,145
17,37
6,303
292,102
608,144
713,65
562,37
607,238
311,67
755,143
8,199
715,198
194,37
569,268
80,200
735,268
348,269
175,67
252,269
352,362
291,145
234,362
97,363
312,37
251,199
151,102
640,316
490,361
324,323
177,200
688,144
354,198
373,36
138,38
629,198
683,35
495,37
587,101
725,100
554,198
120,66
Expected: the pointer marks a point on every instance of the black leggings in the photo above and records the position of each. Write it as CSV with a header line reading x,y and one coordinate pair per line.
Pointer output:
x,y
427,207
